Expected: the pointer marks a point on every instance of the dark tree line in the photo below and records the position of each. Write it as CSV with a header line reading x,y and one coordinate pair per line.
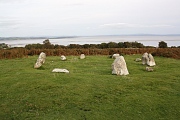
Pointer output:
x,y
47,45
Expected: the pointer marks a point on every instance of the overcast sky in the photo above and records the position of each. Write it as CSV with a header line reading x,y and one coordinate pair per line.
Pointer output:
x,y
88,17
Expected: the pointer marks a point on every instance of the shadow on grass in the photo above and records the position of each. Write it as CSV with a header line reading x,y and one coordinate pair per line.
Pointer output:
x,y
41,68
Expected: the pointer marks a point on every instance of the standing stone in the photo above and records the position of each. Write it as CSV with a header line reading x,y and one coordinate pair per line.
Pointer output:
x,y
145,59
63,57
41,60
148,59
151,60
119,66
82,56
115,56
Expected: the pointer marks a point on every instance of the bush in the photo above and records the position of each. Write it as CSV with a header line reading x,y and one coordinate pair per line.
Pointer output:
x,y
23,52
162,44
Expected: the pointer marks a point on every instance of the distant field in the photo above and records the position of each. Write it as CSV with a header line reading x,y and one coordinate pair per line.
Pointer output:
x,y
89,91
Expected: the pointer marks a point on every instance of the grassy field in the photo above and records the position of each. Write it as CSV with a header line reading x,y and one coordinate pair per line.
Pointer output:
x,y
89,91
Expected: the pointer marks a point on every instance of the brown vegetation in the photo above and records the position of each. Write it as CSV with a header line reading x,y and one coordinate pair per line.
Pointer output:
x,y
23,52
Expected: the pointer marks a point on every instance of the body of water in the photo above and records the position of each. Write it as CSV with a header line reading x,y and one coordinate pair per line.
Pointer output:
x,y
145,40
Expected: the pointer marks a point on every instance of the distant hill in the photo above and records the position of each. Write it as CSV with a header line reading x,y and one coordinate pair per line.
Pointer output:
x,y
62,37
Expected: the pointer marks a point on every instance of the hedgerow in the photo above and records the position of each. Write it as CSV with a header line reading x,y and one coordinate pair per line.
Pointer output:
x,y
23,52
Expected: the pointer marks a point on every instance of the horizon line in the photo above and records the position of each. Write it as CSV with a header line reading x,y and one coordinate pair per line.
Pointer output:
x,y
66,36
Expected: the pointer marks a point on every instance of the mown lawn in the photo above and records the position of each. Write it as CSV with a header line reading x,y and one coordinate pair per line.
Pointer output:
x,y
89,91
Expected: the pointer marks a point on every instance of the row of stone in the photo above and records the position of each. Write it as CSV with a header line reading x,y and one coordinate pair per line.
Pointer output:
x,y
147,59
82,56
42,57
119,66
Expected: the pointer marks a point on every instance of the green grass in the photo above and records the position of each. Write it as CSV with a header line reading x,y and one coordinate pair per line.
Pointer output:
x,y
89,91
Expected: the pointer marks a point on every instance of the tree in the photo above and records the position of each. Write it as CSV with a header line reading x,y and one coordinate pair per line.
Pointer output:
x,y
47,44
121,45
127,45
137,45
103,45
3,46
112,45
162,44
46,41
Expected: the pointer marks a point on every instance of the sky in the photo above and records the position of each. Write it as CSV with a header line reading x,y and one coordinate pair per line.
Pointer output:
x,y
25,18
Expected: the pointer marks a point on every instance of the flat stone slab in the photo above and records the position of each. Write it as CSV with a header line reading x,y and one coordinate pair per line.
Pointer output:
x,y
138,59
59,70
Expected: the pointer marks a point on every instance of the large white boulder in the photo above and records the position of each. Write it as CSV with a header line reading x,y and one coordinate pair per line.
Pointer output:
x,y
148,59
60,70
119,66
41,60
151,60
145,59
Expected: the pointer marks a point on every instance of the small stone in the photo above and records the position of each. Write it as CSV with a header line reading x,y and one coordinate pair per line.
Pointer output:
x,y
82,56
63,57
138,59
149,69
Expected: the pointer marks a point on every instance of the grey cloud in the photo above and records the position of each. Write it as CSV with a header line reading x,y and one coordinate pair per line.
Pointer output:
x,y
11,1
156,26
75,4
8,22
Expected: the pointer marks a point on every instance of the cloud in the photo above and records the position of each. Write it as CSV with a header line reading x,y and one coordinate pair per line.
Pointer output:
x,y
127,25
161,26
88,16
11,1
8,22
